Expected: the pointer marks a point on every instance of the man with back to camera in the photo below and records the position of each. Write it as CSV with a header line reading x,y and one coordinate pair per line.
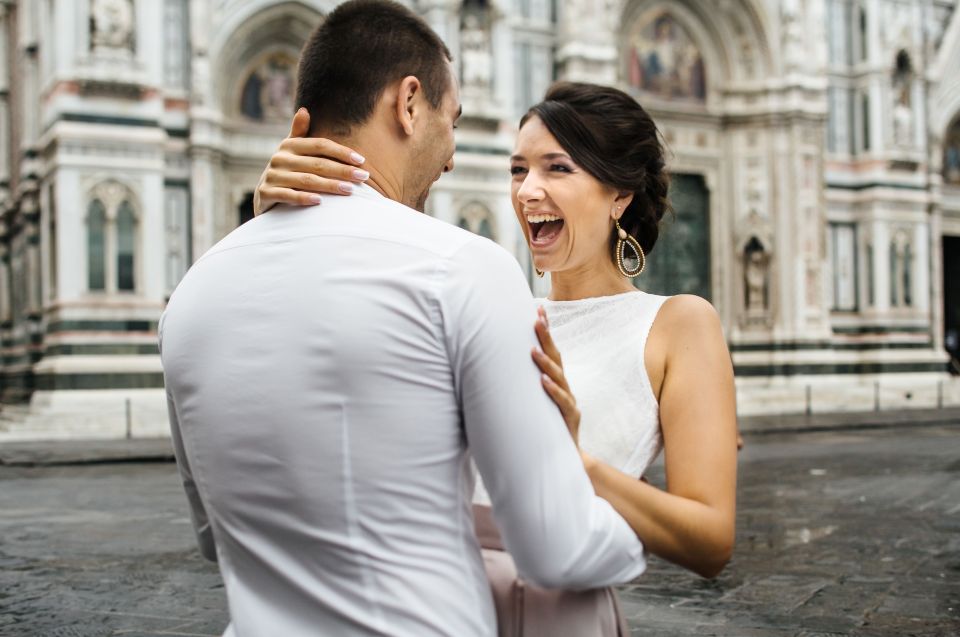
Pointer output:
x,y
327,368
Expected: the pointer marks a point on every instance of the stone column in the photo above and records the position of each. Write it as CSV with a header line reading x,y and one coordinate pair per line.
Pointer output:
x,y
881,267
587,50
920,268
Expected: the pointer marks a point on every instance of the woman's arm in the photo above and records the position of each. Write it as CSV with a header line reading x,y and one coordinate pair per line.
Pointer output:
x,y
304,166
692,522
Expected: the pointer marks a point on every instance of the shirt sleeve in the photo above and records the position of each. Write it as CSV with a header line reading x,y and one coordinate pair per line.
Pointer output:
x,y
559,532
198,514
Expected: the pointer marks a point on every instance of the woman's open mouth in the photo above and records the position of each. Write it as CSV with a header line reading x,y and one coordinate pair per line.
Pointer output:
x,y
544,228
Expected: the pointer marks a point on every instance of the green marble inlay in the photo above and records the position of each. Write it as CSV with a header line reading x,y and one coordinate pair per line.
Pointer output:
x,y
141,380
102,349
102,326
836,368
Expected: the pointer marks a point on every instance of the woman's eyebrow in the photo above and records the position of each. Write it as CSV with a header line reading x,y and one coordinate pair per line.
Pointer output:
x,y
548,157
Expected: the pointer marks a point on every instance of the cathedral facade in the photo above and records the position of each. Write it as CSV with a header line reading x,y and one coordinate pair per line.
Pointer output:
x,y
814,147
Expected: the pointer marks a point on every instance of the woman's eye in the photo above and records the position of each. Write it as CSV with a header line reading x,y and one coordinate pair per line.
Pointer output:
x,y
517,170
560,168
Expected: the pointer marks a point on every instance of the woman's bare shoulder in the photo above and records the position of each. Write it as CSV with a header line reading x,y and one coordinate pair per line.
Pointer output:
x,y
686,313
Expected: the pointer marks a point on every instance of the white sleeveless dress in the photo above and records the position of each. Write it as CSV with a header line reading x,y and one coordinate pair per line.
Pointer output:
x,y
602,341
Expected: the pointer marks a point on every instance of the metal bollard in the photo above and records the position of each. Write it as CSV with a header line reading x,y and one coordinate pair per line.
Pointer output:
x,y
809,400
940,394
129,411
876,396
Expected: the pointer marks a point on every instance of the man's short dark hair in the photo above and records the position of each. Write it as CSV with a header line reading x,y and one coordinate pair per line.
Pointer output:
x,y
357,52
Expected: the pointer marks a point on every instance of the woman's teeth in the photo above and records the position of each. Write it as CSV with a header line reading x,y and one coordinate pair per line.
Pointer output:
x,y
542,218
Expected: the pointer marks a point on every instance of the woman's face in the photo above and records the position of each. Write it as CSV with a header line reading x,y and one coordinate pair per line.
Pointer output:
x,y
566,213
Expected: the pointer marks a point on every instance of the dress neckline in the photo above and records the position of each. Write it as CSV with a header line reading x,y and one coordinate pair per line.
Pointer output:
x,y
593,300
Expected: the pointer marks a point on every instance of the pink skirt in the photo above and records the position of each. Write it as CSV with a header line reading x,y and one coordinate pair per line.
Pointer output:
x,y
525,610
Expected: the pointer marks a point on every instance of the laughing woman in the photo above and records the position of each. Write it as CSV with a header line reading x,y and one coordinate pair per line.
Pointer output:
x,y
639,372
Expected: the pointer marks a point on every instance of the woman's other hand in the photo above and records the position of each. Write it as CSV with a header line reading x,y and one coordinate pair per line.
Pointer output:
x,y
547,358
303,167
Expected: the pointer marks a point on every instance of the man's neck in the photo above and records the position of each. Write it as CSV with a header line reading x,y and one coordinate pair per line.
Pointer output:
x,y
380,161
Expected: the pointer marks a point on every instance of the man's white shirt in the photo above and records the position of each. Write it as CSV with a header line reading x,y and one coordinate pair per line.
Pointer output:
x,y
327,369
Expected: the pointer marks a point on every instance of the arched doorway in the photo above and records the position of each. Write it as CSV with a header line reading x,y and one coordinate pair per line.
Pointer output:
x,y
680,261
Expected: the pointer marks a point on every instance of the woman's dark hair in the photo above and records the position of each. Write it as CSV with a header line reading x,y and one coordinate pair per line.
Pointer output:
x,y
608,134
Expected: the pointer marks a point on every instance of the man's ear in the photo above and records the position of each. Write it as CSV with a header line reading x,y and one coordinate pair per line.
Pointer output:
x,y
409,96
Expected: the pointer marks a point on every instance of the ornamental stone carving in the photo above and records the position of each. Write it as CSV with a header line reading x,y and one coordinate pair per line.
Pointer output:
x,y
112,26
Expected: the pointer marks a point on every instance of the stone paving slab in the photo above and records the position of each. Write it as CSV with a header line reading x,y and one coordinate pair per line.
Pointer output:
x,y
843,533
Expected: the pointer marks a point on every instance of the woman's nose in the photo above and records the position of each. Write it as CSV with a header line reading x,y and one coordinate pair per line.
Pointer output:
x,y
531,189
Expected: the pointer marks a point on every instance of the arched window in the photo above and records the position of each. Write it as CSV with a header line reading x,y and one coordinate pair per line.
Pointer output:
x,y
126,242
485,230
112,239
901,258
96,245
907,265
478,219
862,34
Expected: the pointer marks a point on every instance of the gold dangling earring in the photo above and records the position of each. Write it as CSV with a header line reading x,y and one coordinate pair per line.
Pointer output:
x,y
624,240
539,272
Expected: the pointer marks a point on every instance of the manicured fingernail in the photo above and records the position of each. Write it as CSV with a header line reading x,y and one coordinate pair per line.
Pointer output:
x,y
345,187
361,175
546,378
357,158
315,199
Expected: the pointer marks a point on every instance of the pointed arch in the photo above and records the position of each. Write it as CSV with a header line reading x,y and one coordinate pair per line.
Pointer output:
x,y
251,36
113,238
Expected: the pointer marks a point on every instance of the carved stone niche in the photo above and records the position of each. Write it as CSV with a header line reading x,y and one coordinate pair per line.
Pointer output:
x,y
754,251
112,27
477,18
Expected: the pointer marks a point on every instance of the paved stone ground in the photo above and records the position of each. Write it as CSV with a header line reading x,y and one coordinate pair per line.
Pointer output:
x,y
843,533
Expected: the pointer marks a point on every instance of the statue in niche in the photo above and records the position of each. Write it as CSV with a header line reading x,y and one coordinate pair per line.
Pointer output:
x,y
475,50
112,25
902,108
755,262
267,94
793,48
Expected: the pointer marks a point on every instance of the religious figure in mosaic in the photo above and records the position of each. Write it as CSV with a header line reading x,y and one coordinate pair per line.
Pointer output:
x,y
269,90
112,25
951,155
663,60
